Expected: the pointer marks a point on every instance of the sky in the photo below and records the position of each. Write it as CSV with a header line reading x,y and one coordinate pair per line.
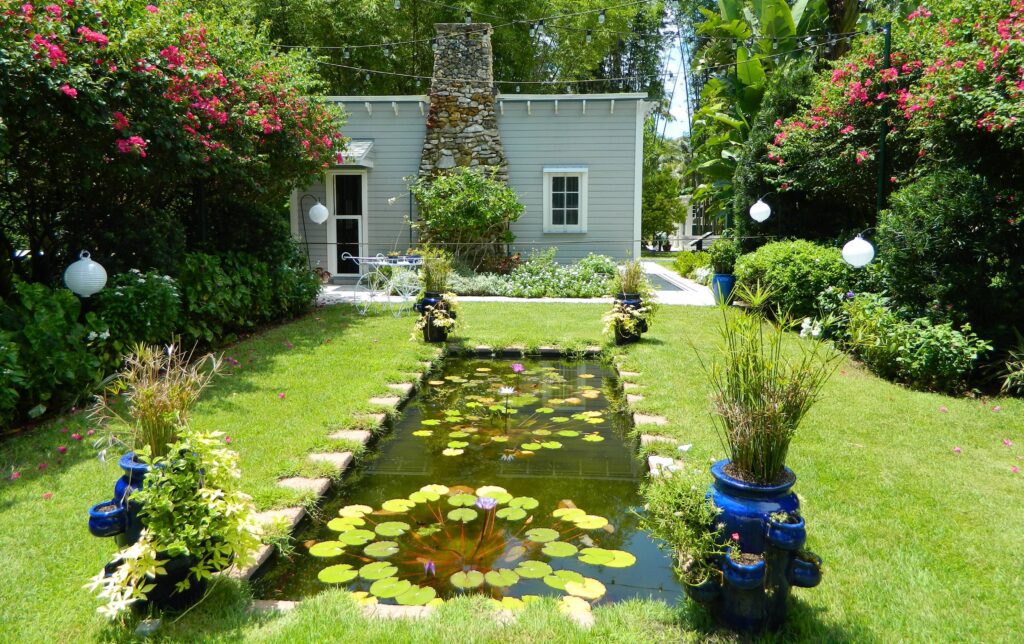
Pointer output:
x,y
677,125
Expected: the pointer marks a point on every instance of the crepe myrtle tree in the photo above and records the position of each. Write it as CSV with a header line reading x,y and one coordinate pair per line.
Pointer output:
x,y
140,131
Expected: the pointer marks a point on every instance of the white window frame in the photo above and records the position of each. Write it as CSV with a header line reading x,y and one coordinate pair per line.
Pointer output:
x,y
332,230
550,173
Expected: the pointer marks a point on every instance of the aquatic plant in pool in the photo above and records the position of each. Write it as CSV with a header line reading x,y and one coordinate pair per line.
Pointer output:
x,y
515,413
443,541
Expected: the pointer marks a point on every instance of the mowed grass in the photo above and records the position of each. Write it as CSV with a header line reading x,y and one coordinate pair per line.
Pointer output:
x,y
920,543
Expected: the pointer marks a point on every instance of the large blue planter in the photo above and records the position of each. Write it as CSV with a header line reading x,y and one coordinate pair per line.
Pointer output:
x,y
753,598
121,522
722,285
431,333
633,301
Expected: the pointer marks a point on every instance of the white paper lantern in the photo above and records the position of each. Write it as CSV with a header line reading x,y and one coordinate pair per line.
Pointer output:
x,y
318,213
85,277
760,211
858,252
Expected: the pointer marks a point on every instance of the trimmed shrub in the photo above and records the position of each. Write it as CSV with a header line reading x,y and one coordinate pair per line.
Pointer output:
x,y
134,307
688,262
477,284
795,272
920,353
541,276
723,254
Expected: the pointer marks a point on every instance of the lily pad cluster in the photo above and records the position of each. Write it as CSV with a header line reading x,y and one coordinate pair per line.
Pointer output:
x,y
443,541
494,408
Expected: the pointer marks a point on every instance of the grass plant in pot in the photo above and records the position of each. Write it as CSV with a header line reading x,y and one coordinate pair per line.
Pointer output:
x,y
437,307
723,254
143,411
634,306
763,385
196,523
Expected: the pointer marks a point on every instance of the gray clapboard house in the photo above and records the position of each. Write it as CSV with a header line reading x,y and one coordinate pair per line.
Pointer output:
x,y
573,159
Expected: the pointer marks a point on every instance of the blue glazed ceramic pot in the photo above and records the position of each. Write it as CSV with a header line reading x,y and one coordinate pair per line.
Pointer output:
x,y
633,301
106,519
746,506
705,592
743,576
431,333
805,570
787,536
722,285
134,474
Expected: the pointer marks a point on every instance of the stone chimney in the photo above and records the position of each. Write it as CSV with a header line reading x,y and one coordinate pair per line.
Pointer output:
x,y
462,129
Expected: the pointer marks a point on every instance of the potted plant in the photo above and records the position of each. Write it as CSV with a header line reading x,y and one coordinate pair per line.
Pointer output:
x,y
723,254
143,410
438,308
762,387
634,305
196,522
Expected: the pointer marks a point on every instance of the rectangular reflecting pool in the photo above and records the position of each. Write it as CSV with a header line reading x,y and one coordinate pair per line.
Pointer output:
x,y
507,478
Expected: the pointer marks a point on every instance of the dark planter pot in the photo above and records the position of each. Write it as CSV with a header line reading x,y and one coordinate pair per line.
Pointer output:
x,y
704,593
107,519
165,595
722,286
787,536
754,598
431,333
622,336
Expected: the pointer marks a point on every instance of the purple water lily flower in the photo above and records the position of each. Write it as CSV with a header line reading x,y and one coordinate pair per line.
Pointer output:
x,y
518,368
486,503
429,568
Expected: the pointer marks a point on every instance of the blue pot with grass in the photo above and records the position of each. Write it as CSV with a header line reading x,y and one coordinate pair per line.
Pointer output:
x,y
119,517
722,285
764,529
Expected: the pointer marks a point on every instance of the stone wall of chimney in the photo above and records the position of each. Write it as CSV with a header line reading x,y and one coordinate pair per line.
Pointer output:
x,y
462,128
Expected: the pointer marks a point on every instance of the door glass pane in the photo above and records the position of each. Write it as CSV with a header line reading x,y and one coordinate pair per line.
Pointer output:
x,y
348,242
572,217
348,194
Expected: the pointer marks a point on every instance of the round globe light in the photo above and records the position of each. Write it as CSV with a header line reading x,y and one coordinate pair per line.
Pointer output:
x,y
760,211
85,277
318,213
858,252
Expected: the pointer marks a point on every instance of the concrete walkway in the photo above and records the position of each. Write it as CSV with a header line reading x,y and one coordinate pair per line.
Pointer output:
x,y
683,292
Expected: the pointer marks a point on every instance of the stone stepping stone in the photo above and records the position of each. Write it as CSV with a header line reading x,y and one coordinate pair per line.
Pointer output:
x,y
360,436
629,374
633,398
630,386
302,484
340,460
260,606
262,554
483,348
644,419
385,401
291,515
372,420
653,439
404,388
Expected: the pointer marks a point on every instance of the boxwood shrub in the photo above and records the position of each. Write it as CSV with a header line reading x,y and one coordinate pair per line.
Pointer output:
x,y
796,272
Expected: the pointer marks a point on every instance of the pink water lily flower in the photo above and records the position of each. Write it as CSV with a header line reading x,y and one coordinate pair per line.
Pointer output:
x,y
518,368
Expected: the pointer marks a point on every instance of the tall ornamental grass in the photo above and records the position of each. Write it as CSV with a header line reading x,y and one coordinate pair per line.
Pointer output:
x,y
762,387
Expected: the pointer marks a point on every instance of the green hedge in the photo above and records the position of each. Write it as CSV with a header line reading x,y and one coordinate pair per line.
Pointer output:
x,y
796,272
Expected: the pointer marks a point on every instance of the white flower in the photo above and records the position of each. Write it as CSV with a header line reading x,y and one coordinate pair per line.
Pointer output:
x,y
91,336
105,335
685,448
507,391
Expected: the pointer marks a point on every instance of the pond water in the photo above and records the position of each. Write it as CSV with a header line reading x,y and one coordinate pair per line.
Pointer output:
x,y
508,478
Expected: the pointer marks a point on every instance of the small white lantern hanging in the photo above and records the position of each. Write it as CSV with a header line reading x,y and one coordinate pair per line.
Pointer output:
x,y
318,213
85,277
858,252
760,211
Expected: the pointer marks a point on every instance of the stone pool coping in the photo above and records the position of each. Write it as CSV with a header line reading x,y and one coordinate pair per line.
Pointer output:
x,y
379,423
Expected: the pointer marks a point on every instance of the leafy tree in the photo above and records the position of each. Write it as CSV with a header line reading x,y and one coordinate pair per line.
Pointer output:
x,y
663,208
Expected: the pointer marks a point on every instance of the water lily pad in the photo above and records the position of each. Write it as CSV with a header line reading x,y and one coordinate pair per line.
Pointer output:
x,y
465,515
354,511
391,528
327,549
542,432
377,570
573,606
340,526
524,502
364,598
590,522
430,422
586,589
339,574
596,556
467,579
533,569
595,421
381,549
593,438
435,488
532,447
560,577
585,375
501,577
423,432
389,587
541,535
559,549
514,553
356,537
457,444
501,497
453,451
398,505
568,433
568,514
437,383
428,530
457,434
551,445
560,419
545,410
416,596
424,497
499,439
622,559
462,499
483,369
508,603
511,514
350,520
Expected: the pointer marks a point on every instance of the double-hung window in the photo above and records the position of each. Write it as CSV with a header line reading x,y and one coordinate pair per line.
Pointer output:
x,y
565,200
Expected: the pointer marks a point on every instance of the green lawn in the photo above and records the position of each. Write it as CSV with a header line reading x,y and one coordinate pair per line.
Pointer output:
x,y
920,543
